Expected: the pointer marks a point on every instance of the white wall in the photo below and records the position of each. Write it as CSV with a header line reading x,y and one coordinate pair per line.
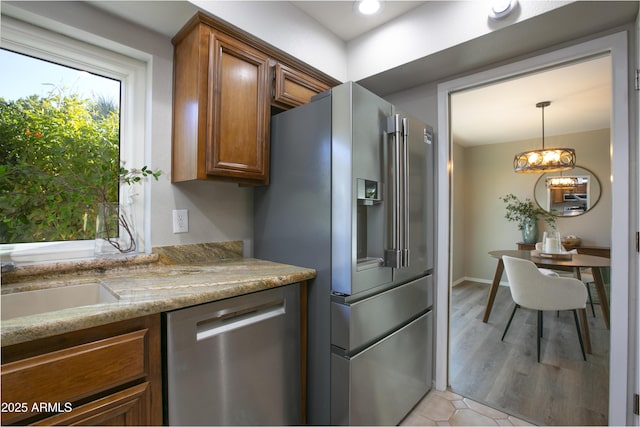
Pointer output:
x,y
283,25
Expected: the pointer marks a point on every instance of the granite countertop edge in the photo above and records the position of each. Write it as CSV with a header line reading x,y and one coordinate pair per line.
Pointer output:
x,y
155,289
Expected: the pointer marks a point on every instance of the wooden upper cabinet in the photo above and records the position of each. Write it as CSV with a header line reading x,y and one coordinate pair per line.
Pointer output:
x,y
221,109
293,88
239,108
225,83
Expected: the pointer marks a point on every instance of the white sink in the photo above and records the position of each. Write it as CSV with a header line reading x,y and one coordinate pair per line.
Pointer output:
x,y
26,303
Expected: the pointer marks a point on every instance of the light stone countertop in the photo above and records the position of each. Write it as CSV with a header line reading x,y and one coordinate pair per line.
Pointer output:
x,y
174,282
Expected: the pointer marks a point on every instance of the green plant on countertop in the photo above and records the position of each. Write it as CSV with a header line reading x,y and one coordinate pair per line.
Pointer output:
x,y
133,176
113,219
521,212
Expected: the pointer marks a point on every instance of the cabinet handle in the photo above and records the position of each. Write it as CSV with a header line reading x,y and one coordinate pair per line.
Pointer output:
x,y
398,255
405,192
238,319
393,255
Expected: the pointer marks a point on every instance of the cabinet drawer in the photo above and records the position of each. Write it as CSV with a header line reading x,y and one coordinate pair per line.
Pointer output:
x,y
74,373
381,384
358,324
292,88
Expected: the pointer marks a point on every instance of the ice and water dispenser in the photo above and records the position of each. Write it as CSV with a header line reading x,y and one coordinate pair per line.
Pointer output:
x,y
370,226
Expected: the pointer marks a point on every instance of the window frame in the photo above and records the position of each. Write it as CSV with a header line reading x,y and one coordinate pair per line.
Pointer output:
x,y
42,43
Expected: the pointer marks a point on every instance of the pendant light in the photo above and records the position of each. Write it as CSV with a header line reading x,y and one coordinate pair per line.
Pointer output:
x,y
562,182
547,159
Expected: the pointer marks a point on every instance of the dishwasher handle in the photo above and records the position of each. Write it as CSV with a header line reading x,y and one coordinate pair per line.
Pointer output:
x,y
228,322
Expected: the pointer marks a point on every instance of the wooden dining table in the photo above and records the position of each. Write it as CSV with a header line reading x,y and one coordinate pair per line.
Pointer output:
x,y
574,264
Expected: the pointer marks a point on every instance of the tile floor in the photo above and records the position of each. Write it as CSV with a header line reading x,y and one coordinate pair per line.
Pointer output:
x,y
445,408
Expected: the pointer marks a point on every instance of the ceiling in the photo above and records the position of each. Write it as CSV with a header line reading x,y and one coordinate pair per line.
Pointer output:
x,y
580,96
343,20
339,17
579,93
164,17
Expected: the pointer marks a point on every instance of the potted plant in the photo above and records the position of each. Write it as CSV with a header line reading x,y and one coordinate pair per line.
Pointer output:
x,y
526,214
115,223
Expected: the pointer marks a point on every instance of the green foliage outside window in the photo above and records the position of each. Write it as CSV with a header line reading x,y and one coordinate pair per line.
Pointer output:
x,y
59,158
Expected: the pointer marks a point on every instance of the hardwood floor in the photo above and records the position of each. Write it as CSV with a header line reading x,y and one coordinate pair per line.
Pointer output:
x,y
562,389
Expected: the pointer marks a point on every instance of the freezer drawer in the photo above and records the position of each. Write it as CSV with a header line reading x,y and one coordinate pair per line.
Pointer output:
x,y
381,384
361,323
235,361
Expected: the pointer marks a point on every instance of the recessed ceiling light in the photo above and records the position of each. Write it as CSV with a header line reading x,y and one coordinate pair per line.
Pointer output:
x,y
501,8
368,7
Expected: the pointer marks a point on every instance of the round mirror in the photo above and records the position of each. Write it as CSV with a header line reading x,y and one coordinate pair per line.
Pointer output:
x,y
568,193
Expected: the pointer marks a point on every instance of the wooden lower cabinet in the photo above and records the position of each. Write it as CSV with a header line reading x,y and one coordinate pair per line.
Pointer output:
x,y
128,407
107,375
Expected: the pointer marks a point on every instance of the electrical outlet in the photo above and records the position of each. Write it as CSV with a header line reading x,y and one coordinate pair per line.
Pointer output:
x,y
180,221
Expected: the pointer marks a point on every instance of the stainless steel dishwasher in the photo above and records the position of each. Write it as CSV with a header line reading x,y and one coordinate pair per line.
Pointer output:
x,y
235,361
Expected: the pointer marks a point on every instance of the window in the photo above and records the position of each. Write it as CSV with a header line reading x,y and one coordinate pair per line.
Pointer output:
x,y
60,130
68,139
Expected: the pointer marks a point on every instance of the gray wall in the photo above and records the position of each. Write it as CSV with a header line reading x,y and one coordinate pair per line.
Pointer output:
x,y
485,173
458,224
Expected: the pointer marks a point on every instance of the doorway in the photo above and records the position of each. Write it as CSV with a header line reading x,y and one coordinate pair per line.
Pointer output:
x,y
615,45
562,389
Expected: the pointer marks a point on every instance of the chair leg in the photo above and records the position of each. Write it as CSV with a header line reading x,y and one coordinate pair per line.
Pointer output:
x,y
509,322
575,316
541,329
590,299
539,332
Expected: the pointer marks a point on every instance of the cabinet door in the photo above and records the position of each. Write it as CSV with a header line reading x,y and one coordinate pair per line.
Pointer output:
x,y
239,108
74,373
293,88
128,407
109,374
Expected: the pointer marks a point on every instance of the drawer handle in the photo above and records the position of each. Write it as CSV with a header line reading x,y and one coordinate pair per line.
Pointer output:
x,y
221,324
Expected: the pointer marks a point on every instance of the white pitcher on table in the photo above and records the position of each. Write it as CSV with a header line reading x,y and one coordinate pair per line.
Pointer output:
x,y
551,243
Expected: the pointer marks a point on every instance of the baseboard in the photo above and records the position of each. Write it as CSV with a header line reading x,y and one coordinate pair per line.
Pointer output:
x,y
477,280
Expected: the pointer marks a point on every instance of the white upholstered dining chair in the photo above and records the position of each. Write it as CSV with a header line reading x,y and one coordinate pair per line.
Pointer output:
x,y
536,291
585,275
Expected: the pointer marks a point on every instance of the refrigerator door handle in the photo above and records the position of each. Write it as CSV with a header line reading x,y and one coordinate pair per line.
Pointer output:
x,y
405,192
393,255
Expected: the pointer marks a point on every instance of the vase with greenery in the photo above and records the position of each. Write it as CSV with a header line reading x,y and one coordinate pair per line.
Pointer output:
x,y
526,215
115,221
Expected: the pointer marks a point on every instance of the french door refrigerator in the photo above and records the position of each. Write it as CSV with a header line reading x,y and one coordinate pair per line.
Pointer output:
x,y
352,195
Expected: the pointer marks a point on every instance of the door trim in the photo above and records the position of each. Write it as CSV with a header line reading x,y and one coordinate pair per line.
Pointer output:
x,y
620,412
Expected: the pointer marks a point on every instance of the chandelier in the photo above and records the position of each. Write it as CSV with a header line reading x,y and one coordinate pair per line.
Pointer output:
x,y
561,182
547,159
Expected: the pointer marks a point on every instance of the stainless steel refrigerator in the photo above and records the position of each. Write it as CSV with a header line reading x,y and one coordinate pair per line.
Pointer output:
x,y
352,195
